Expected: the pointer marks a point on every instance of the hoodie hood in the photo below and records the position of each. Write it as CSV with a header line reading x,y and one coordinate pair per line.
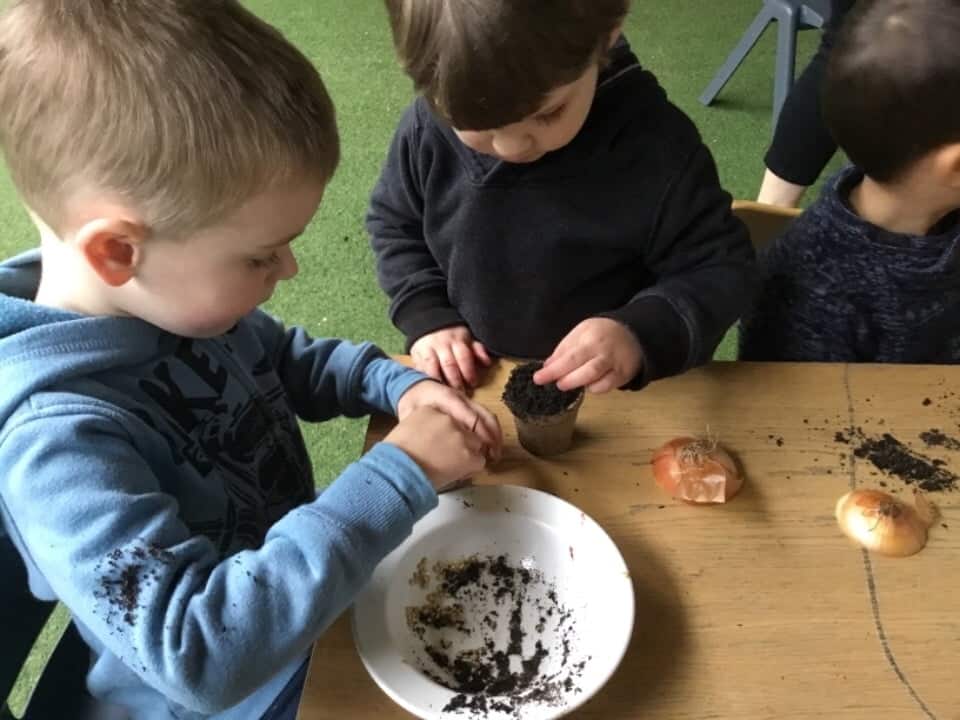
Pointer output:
x,y
41,347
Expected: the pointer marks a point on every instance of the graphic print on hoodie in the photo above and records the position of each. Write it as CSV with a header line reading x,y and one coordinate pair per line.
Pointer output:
x,y
160,488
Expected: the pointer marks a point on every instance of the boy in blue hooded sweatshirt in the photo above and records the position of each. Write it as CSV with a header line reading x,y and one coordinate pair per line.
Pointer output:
x,y
152,473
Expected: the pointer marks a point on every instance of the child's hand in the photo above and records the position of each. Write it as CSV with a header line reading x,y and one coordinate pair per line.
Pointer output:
x,y
450,355
599,354
471,415
445,450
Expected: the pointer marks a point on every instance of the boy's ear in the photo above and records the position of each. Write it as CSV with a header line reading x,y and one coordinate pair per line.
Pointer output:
x,y
947,163
617,31
112,248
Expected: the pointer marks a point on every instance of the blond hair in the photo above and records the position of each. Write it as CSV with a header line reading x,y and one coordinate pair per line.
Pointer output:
x,y
183,108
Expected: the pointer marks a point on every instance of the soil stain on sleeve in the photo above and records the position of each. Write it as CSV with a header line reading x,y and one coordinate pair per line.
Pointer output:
x,y
124,573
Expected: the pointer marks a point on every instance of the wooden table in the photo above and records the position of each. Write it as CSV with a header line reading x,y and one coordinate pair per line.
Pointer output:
x,y
759,608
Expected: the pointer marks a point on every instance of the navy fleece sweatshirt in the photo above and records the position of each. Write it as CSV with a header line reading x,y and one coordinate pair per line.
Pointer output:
x,y
836,288
626,221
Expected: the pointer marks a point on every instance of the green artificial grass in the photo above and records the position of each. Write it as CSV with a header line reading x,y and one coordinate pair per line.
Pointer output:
x,y
682,41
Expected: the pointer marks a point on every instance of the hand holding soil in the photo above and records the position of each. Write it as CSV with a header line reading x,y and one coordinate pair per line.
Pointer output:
x,y
468,413
599,354
446,450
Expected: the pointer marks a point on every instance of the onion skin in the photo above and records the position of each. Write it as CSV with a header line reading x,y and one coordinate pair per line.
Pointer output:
x,y
696,471
881,523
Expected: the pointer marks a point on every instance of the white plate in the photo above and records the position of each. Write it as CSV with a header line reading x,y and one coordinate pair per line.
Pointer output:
x,y
577,601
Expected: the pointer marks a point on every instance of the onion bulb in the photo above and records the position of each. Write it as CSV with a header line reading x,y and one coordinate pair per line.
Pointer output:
x,y
696,470
882,523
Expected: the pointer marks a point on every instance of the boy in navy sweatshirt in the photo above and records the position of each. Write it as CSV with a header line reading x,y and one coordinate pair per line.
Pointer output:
x,y
871,271
543,199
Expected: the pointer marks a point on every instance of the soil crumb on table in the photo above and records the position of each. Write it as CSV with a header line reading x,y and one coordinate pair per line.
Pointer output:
x,y
936,438
891,456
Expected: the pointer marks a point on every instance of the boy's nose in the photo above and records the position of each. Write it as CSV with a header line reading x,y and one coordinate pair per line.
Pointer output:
x,y
287,267
512,145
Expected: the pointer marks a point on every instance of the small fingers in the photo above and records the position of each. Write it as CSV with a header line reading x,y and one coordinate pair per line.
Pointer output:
x,y
488,428
449,368
482,355
583,375
429,364
561,364
475,450
462,410
466,362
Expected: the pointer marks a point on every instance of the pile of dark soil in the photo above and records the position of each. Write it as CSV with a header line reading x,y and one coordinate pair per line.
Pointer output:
x,y
896,459
527,399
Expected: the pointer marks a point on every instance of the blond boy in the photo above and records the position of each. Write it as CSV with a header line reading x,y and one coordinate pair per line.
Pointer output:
x,y
152,473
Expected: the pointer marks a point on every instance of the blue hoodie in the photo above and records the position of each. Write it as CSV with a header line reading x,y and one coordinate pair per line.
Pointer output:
x,y
160,488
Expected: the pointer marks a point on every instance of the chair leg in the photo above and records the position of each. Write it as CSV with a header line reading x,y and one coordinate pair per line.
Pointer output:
x,y
749,39
788,25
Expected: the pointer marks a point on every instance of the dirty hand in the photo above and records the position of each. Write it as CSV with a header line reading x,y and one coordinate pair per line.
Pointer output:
x,y
445,450
450,355
471,415
600,354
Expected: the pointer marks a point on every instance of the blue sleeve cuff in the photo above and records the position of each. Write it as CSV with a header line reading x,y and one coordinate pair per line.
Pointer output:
x,y
384,383
416,486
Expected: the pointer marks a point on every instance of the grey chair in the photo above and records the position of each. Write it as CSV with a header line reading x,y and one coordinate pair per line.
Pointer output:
x,y
791,16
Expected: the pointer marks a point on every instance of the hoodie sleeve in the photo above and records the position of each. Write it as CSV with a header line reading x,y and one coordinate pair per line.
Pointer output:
x,y
325,378
406,269
705,268
91,515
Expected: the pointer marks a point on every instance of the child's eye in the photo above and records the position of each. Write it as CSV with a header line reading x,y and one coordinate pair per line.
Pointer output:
x,y
259,263
549,117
